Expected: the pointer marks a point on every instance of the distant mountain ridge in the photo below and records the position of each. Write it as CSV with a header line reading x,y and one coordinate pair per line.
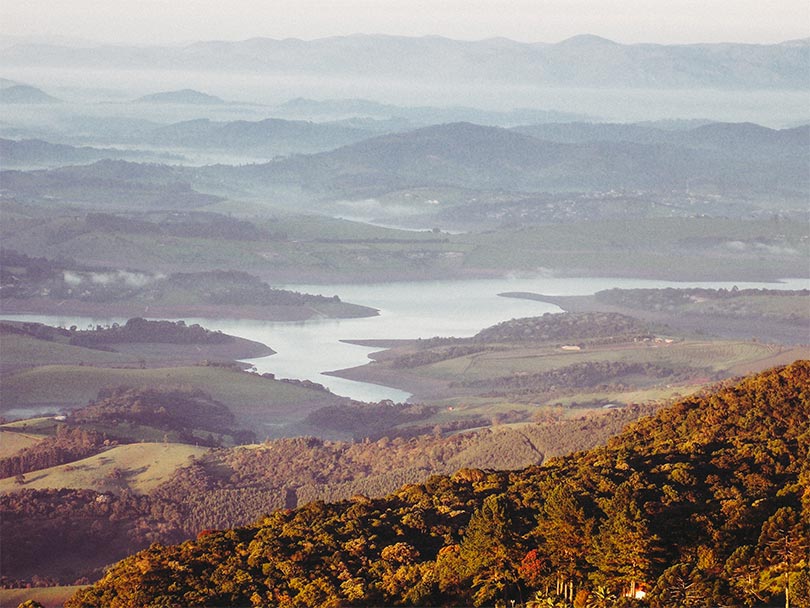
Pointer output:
x,y
23,94
269,134
711,134
184,96
717,158
37,152
587,61
467,155
421,115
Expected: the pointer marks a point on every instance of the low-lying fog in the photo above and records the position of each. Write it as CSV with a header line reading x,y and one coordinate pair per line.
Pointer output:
x,y
109,88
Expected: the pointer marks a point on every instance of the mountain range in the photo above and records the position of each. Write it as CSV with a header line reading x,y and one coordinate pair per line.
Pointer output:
x,y
722,158
36,153
587,61
727,156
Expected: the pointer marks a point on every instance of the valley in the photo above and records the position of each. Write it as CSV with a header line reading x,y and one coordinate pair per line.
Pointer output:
x,y
375,320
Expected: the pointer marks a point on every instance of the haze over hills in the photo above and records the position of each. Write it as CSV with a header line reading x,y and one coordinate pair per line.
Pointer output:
x,y
467,155
713,135
184,96
579,61
740,161
418,115
271,134
24,94
39,153
167,226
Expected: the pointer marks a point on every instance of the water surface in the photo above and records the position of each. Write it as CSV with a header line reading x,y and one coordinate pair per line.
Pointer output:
x,y
460,308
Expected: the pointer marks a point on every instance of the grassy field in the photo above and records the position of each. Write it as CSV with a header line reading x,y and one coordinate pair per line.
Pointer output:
x,y
26,351
139,467
40,426
254,400
795,306
716,355
443,383
14,442
50,597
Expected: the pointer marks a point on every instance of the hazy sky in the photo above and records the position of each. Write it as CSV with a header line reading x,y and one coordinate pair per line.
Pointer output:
x,y
176,21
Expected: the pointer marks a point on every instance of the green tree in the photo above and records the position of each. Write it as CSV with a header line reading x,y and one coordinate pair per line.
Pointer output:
x,y
624,550
601,597
488,550
783,549
680,586
743,576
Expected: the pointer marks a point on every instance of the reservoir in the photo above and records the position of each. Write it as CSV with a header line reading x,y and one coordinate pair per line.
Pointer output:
x,y
459,308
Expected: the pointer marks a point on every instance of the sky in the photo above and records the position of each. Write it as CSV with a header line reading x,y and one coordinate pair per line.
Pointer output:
x,y
626,21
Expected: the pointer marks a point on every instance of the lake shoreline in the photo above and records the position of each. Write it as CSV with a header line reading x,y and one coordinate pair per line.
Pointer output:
x,y
45,306
758,328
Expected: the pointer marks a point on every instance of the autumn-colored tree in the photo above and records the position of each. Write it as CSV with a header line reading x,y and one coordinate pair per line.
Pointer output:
x,y
566,536
534,569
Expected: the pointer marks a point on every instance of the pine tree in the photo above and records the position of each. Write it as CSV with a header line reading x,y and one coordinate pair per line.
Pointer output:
x,y
489,549
624,550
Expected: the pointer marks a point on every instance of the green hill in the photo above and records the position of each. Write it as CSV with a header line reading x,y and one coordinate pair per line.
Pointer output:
x,y
704,504
254,400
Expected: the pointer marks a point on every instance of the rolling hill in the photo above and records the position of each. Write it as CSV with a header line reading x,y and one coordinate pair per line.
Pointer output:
x,y
703,503
38,153
728,159
474,156
25,94
272,135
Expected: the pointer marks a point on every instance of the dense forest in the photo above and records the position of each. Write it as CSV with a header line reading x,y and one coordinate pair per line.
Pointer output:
x,y
235,486
704,504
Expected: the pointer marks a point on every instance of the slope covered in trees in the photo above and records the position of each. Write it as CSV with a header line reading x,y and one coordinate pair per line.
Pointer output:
x,y
226,487
704,504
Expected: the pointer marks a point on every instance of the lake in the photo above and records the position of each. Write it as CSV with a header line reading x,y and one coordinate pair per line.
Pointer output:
x,y
460,308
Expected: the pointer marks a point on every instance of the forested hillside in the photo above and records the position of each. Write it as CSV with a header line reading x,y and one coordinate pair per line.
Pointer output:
x,y
704,504
113,514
